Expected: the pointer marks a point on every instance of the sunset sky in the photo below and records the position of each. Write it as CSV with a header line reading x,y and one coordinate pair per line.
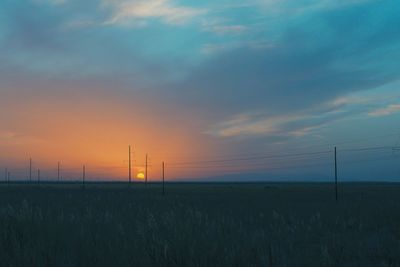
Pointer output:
x,y
219,90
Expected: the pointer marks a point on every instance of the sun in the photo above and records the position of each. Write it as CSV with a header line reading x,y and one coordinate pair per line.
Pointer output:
x,y
140,176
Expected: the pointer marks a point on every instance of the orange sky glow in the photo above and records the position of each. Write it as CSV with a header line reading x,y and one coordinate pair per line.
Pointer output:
x,y
95,129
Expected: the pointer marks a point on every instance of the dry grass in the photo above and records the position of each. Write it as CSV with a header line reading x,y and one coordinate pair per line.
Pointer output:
x,y
200,225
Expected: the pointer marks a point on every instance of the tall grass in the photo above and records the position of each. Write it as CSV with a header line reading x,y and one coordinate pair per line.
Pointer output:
x,y
205,225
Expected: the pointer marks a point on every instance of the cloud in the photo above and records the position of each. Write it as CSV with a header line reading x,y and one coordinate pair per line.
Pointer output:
x,y
281,79
215,48
164,10
51,2
309,121
250,125
226,29
239,75
295,124
302,7
10,138
301,69
390,109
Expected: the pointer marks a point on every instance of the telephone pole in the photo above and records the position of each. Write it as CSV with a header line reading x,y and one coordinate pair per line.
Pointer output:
x,y
163,178
130,166
396,149
58,171
146,171
30,169
83,176
336,180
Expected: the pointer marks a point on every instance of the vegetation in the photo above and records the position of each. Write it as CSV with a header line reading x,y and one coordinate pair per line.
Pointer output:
x,y
200,225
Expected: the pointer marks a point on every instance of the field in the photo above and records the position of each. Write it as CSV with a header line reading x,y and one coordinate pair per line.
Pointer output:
x,y
200,225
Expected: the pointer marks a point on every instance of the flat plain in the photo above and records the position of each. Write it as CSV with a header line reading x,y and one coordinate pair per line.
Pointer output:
x,y
200,224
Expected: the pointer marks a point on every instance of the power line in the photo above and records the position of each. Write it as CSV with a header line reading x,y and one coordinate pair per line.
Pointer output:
x,y
284,161
366,149
281,156
250,158
251,163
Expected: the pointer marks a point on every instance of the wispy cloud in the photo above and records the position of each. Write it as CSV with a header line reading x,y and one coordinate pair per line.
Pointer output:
x,y
302,122
244,124
11,138
164,10
212,48
300,7
52,2
390,109
226,29
263,125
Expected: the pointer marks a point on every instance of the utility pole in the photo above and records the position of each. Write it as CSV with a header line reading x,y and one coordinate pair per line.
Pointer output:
x,y
58,171
396,149
163,178
83,176
146,171
38,176
8,178
336,181
30,169
130,166
5,175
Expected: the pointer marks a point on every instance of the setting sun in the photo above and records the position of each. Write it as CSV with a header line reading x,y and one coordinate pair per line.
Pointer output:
x,y
140,176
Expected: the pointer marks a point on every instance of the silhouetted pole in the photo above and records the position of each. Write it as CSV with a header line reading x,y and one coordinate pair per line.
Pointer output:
x,y
5,175
8,178
58,171
146,172
30,170
163,178
130,166
83,176
38,176
396,148
336,181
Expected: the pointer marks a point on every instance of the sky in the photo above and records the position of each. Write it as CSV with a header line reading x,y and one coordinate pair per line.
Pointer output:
x,y
250,90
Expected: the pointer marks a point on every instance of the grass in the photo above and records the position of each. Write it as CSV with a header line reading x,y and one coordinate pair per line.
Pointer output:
x,y
200,225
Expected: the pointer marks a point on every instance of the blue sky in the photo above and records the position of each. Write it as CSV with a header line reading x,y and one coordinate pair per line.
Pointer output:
x,y
248,77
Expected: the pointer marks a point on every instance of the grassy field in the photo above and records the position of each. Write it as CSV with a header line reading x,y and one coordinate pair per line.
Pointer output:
x,y
200,225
